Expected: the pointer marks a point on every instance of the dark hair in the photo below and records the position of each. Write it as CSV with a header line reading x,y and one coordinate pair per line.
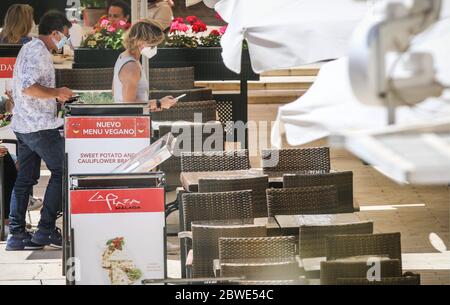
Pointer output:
x,y
53,21
123,5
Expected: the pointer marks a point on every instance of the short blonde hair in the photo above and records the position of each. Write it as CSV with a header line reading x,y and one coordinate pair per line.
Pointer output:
x,y
18,23
148,31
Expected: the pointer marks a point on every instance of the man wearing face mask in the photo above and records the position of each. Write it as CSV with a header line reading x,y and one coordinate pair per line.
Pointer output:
x,y
130,84
36,124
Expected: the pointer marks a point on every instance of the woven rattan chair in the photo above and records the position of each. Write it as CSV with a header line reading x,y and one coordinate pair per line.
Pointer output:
x,y
312,238
216,206
213,206
265,247
171,78
385,244
205,244
199,111
277,162
85,79
211,132
407,279
331,271
258,185
263,258
302,200
342,180
215,161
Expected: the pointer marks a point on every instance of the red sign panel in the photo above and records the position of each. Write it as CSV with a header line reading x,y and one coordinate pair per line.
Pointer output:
x,y
117,201
108,127
7,67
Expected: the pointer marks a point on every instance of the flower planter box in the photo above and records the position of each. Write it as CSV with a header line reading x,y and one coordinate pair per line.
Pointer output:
x,y
207,62
95,58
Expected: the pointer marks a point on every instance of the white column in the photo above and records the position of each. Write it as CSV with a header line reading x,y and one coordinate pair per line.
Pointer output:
x,y
139,10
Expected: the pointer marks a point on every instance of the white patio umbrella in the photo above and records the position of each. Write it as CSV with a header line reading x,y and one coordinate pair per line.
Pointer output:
x,y
330,105
288,33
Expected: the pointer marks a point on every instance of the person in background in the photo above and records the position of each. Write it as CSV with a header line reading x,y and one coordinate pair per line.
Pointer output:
x,y
17,25
10,175
161,11
35,124
119,10
130,84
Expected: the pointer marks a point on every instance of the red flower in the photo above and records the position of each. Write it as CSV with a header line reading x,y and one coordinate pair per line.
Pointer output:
x,y
218,17
199,27
214,33
178,19
223,29
191,19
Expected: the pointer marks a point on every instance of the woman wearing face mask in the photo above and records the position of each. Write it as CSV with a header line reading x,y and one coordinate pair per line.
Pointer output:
x,y
130,84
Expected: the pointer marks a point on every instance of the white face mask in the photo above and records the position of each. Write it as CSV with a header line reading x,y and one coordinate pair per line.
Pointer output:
x,y
149,52
60,44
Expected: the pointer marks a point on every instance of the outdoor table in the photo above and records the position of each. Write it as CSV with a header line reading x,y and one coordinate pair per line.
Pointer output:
x,y
272,226
189,180
290,224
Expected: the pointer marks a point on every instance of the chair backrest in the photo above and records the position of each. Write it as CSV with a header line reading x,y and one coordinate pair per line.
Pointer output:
x,y
262,271
215,161
171,78
385,244
312,239
302,200
188,135
342,180
213,139
262,247
332,271
216,206
301,159
199,111
410,280
258,185
205,243
85,79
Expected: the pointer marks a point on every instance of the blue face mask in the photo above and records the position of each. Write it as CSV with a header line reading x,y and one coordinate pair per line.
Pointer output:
x,y
60,44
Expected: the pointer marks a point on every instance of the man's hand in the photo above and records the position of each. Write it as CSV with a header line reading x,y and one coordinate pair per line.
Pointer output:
x,y
167,102
63,94
9,102
3,151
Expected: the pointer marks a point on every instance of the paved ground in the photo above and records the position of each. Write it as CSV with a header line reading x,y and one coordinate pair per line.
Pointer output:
x,y
417,212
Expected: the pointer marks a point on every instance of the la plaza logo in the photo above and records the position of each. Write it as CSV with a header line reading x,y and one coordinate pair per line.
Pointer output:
x,y
115,202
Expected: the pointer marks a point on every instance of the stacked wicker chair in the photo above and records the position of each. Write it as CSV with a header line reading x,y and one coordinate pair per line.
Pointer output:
x,y
209,131
302,200
342,180
277,162
259,258
205,243
349,258
258,185
212,206
85,79
215,161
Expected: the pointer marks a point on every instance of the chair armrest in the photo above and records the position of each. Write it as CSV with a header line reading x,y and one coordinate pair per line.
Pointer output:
x,y
185,234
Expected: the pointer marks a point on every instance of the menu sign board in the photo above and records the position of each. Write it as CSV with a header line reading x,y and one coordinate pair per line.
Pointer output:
x,y
99,144
118,235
